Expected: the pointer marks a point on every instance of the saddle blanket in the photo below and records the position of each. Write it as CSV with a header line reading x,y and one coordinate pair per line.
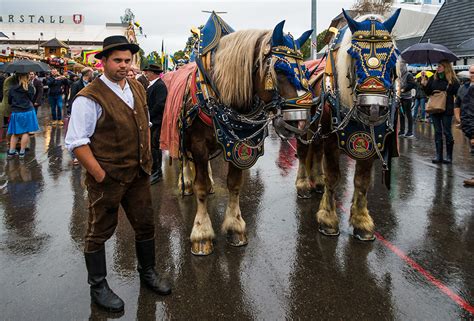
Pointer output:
x,y
176,83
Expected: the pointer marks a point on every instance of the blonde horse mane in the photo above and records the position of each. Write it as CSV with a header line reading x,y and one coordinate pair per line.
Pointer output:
x,y
234,64
344,64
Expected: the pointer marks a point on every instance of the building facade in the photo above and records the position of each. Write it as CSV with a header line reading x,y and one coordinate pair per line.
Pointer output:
x,y
27,32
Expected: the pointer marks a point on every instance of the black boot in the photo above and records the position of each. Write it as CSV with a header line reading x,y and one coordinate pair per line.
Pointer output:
x,y
439,152
449,152
146,268
101,294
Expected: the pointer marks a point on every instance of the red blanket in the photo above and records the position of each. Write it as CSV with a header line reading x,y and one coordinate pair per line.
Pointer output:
x,y
176,84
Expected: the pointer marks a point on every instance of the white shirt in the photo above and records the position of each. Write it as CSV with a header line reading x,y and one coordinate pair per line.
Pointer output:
x,y
86,112
152,82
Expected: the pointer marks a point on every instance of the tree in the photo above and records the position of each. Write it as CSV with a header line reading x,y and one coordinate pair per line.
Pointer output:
x,y
306,48
179,55
380,7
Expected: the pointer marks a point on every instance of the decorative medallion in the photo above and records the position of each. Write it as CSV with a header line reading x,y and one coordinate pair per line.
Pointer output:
x,y
360,145
373,62
244,156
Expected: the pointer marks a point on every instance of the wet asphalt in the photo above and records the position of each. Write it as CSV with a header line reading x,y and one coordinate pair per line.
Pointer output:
x,y
421,267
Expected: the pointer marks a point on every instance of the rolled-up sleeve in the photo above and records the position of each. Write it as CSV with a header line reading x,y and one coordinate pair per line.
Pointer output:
x,y
84,115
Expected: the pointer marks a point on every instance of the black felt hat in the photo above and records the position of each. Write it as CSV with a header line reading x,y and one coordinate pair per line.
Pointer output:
x,y
153,68
116,43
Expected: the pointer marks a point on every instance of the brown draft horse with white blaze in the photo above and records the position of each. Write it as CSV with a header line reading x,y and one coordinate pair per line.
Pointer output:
x,y
362,80
243,70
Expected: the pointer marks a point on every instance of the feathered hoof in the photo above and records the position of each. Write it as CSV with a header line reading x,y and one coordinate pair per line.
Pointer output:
x,y
328,231
202,248
303,194
237,239
363,236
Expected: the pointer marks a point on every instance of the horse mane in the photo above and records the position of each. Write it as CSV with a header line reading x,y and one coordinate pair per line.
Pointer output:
x,y
345,66
233,66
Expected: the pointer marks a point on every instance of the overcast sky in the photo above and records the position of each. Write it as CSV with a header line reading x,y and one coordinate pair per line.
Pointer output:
x,y
171,20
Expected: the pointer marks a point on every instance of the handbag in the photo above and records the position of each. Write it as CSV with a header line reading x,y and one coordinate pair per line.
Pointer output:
x,y
437,102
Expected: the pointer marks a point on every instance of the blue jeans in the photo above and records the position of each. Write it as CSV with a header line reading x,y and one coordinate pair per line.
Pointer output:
x,y
442,125
56,103
419,102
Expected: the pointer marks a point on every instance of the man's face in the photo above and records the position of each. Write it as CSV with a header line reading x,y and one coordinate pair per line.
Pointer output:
x,y
54,72
471,73
31,75
117,64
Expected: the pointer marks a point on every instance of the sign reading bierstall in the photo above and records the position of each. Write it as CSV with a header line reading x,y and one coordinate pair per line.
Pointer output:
x,y
41,19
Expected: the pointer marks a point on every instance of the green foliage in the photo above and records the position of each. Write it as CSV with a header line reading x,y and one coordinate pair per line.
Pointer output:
x,y
306,48
179,55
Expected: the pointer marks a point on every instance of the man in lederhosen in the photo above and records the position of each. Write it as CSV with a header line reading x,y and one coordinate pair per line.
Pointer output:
x,y
109,134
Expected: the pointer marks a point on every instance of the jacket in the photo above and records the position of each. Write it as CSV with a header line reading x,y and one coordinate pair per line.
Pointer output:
x,y
408,83
442,85
20,99
38,97
5,109
467,113
76,87
156,99
55,86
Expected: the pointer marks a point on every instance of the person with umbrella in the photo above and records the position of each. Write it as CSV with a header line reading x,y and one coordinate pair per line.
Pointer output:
x,y
23,117
444,80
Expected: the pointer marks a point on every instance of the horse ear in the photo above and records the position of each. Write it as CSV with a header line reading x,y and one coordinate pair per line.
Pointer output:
x,y
301,40
353,25
277,37
390,22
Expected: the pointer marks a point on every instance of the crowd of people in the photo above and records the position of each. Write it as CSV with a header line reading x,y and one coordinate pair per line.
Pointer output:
x,y
457,102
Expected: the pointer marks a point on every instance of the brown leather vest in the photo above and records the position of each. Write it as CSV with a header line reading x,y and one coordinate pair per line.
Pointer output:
x,y
120,142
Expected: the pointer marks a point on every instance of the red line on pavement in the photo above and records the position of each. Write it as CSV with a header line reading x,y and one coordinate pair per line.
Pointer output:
x,y
453,296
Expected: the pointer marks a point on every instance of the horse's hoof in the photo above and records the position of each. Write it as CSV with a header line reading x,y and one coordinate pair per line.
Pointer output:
x,y
328,231
304,194
202,248
237,239
363,236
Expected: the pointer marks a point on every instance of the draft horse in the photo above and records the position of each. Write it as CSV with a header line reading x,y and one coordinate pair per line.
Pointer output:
x,y
252,78
357,114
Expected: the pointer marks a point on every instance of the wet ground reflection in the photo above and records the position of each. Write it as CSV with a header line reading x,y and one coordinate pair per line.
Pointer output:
x,y
288,270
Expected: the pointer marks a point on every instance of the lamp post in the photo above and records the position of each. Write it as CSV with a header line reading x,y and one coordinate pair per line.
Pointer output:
x,y
314,35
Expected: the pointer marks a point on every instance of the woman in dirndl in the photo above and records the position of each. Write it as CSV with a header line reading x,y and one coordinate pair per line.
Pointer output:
x,y
23,118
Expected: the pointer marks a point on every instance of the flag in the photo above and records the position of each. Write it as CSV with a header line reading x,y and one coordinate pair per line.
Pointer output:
x,y
170,63
162,53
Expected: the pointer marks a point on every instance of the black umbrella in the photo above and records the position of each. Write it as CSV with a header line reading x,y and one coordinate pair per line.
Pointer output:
x,y
467,45
427,53
24,66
